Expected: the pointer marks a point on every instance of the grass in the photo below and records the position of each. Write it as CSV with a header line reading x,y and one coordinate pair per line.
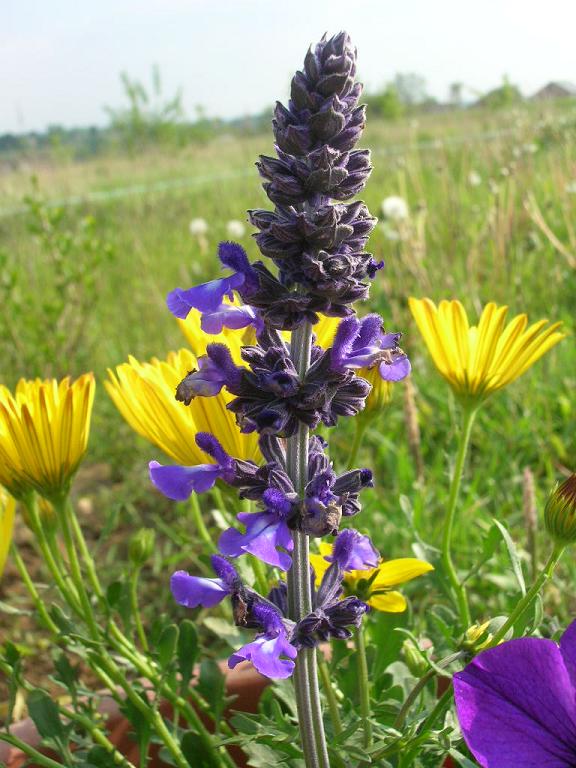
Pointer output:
x,y
510,239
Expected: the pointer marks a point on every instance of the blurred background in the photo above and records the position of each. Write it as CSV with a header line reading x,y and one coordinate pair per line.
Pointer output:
x,y
128,136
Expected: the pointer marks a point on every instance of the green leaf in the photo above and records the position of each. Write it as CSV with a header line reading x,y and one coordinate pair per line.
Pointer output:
x,y
11,610
187,651
45,715
513,555
211,686
167,645
196,752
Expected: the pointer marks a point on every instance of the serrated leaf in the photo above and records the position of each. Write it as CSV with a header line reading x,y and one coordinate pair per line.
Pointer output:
x,y
513,555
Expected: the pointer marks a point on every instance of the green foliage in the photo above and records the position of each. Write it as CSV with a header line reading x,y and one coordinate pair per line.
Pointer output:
x,y
47,305
149,117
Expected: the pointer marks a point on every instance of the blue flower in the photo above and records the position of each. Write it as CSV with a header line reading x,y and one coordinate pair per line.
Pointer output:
x,y
179,482
265,532
269,650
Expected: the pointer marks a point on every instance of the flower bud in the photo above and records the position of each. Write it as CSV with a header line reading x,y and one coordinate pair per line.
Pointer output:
x,y
141,547
414,658
560,512
476,637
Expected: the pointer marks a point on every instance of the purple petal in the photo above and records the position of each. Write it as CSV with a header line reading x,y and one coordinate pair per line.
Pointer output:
x,y
177,482
205,297
568,651
232,255
354,552
516,706
211,446
265,653
193,591
264,533
396,370
227,316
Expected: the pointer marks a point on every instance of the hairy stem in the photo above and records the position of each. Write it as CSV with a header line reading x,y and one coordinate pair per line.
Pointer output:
x,y
299,586
363,686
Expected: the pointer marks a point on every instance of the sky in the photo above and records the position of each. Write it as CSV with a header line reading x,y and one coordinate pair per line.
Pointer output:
x,y
60,60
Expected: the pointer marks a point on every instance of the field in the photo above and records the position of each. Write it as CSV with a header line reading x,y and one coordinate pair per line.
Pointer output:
x,y
492,200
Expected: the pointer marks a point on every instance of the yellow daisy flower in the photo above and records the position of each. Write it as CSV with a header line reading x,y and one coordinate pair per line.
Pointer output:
x,y
144,395
374,586
7,510
480,359
44,429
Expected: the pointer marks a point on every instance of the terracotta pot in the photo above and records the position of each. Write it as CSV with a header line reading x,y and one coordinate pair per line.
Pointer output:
x,y
243,682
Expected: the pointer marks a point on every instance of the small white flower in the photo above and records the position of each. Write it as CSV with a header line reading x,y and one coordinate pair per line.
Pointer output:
x,y
198,227
474,179
235,229
395,208
571,187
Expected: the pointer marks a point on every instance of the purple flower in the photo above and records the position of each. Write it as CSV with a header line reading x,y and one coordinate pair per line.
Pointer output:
x,y
354,552
516,703
208,297
269,650
178,482
265,532
230,316
363,344
193,591
216,370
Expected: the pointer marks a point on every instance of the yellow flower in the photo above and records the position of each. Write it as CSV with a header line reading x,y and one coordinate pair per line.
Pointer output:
x,y
7,509
374,585
144,395
44,429
478,360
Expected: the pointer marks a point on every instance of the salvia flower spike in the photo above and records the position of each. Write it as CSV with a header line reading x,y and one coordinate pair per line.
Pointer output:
x,y
282,387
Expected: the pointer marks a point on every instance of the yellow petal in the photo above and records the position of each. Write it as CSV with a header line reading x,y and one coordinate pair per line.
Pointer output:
x,y
389,602
7,510
394,572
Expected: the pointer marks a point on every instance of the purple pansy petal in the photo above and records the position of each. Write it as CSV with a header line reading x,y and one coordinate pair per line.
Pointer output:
x,y
516,706
178,482
354,552
395,371
205,297
193,591
265,653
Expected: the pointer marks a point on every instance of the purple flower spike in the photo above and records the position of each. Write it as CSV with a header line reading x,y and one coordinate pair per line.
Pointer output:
x,y
516,703
193,591
354,552
178,482
265,532
205,297
267,650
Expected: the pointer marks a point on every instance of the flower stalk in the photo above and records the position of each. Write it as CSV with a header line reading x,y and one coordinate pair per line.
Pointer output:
x,y
458,588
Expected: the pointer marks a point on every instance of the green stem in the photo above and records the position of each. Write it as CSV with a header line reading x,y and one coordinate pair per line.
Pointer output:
x,y
44,539
200,524
459,589
134,576
37,600
363,686
523,604
330,695
360,424
39,759
299,587
64,512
